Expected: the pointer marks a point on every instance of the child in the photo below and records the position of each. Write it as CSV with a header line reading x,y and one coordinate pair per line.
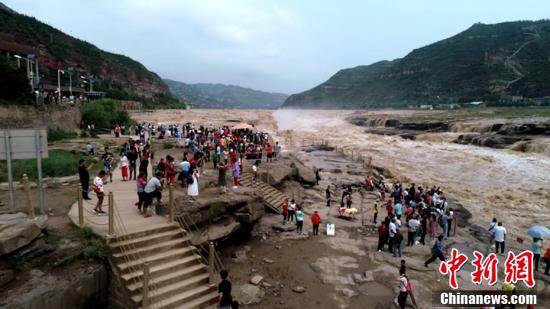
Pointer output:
x,y
99,191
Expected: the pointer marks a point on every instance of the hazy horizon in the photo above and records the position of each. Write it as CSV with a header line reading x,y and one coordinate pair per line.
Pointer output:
x,y
284,46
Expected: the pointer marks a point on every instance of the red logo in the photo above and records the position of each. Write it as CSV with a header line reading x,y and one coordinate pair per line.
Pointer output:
x,y
485,268
452,266
520,268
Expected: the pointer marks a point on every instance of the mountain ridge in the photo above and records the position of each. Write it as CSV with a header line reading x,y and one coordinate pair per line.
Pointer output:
x,y
120,76
494,63
217,95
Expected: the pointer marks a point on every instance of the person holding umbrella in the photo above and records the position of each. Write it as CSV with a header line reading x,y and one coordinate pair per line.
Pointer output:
x,y
539,232
536,248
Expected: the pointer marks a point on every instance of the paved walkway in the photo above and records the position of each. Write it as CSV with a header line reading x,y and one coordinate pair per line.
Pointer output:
x,y
125,196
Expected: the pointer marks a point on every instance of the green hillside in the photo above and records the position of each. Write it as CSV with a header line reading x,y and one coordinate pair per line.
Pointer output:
x,y
203,95
118,75
500,63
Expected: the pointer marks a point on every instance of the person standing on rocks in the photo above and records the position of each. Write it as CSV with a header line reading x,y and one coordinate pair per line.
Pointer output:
x,y
285,211
499,233
276,151
437,251
404,287
397,239
328,195
382,236
450,221
315,220
414,225
299,220
235,174
222,182
84,176
291,210
392,228
224,290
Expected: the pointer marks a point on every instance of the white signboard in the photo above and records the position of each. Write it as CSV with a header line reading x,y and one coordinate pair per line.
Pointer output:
x,y
23,143
331,229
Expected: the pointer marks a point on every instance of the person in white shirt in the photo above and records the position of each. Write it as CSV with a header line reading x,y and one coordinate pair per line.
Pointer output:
x,y
392,232
291,211
403,289
255,172
499,233
99,191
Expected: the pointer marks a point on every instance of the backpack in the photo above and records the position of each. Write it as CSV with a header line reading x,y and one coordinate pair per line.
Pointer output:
x,y
409,286
398,238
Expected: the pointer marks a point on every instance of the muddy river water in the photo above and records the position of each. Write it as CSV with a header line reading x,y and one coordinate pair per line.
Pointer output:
x,y
512,186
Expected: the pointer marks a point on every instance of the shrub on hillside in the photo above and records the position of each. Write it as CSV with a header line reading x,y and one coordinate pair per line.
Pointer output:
x,y
58,134
105,114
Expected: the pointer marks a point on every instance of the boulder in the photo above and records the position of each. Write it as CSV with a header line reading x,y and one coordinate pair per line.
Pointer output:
x,y
210,206
302,173
256,279
298,289
17,231
248,294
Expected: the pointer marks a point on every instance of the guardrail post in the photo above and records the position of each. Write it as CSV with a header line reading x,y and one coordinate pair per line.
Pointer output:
x,y
211,257
27,188
80,206
111,214
171,202
145,296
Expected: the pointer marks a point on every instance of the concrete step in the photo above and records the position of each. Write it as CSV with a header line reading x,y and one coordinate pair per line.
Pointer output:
x,y
274,203
146,240
206,301
142,252
163,268
184,298
273,194
161,257
159,228
163,283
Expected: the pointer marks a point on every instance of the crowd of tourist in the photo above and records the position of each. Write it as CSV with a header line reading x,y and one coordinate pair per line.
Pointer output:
x,y
421,215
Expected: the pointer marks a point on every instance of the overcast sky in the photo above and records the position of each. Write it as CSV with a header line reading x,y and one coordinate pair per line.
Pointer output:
x,y
284,45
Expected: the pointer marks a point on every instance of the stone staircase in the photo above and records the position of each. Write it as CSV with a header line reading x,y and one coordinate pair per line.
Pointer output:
x,y
273,198
178,276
